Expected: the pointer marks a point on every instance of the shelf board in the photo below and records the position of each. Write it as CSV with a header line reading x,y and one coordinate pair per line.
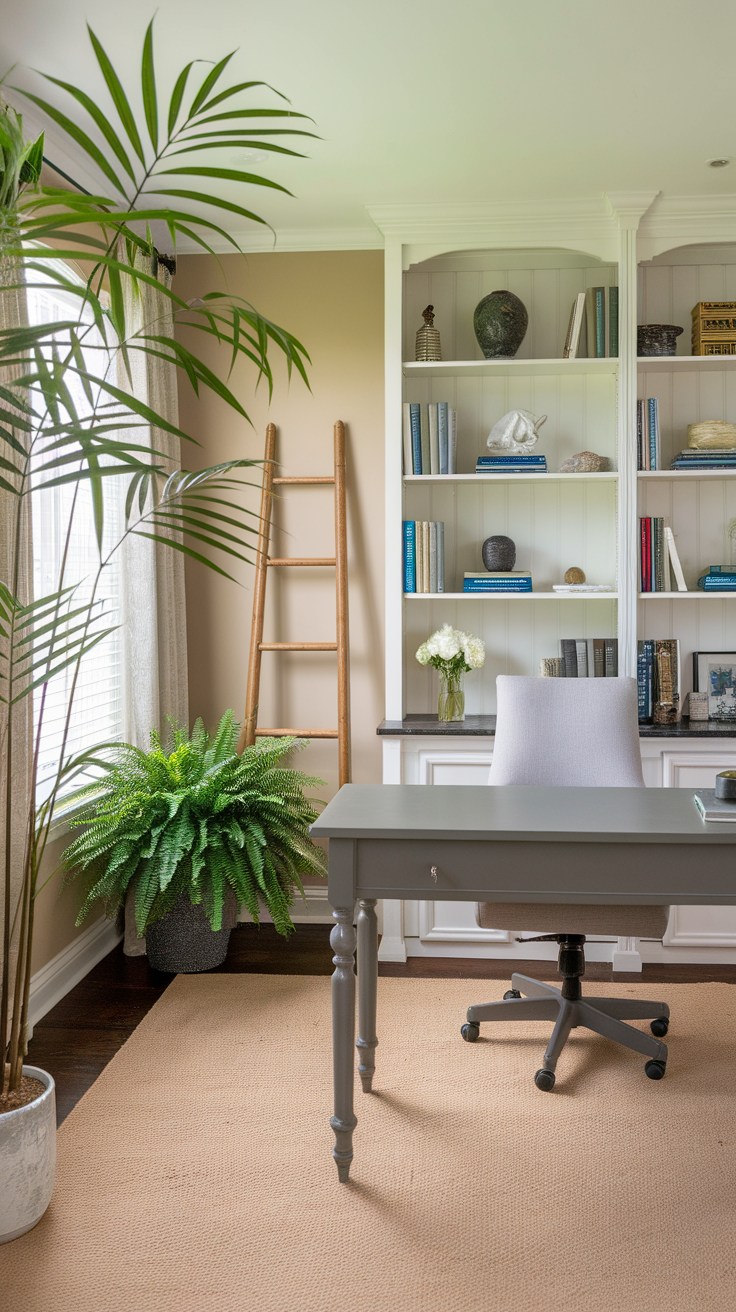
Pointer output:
x,y
508,478
668,364
515,596
686,473
696,594
486,368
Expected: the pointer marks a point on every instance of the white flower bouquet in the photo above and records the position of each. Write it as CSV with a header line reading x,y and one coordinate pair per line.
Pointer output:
x,y
453,653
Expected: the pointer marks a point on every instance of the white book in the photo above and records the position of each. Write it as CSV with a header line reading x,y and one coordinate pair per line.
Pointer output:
x,y
434,439
408,462
674,559
433,556
591,658
451,441
576,323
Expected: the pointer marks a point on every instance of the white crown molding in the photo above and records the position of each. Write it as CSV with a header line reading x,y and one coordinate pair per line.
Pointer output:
x,y
290,239
685,221
628,207
578,223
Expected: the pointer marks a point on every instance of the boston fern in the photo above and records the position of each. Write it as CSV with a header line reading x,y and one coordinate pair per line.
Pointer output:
x,y
199,820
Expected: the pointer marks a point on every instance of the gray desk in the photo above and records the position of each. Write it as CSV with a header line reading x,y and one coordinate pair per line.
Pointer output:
x,y
607,845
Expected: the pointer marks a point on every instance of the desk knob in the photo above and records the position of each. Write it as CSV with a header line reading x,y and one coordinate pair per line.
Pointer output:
x,y
433,873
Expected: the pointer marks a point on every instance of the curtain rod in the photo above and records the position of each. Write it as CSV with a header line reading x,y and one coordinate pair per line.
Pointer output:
x,y
169,261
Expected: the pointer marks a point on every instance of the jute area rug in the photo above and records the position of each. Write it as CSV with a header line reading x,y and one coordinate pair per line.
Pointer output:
x,y
196,1173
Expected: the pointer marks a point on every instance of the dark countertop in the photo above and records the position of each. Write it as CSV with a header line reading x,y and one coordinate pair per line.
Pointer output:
x,y
484,726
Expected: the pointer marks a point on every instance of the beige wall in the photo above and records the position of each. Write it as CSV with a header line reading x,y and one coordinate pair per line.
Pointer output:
x,y
333,303
56,908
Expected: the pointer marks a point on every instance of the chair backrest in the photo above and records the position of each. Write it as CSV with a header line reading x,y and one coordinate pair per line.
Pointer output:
x,y
567,732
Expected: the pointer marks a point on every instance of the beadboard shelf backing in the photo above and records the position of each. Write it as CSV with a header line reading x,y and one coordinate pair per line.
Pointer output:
x,y
700,512
580,410
694,595
517,631
668,364
518,596
547,281
550,477
674,475
554,525
515,366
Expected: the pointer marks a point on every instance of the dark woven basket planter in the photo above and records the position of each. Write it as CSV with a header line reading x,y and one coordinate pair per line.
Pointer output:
x,y
182,942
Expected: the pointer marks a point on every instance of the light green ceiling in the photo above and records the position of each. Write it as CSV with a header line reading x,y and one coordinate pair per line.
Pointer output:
x,y
425,101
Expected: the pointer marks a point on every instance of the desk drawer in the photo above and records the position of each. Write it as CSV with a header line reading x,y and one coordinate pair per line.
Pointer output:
x,y
541,872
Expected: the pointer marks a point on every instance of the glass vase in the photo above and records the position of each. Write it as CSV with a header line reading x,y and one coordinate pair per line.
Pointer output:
x,y
451,704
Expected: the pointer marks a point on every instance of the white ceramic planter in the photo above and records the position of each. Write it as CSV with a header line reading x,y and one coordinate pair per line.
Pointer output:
x,y
27,1160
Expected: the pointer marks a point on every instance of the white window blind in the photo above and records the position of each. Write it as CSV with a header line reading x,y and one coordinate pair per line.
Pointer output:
x,y
97,712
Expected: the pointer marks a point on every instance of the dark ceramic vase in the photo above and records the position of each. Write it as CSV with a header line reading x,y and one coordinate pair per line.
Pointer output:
x,y
182,942
499,552
657,338
500,321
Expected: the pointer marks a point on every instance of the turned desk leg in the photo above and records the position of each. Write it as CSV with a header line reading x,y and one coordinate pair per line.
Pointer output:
x,y
342,940
367,990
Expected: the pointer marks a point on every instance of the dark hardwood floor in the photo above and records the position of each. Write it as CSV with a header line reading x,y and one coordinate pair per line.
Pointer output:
x,y
77,1038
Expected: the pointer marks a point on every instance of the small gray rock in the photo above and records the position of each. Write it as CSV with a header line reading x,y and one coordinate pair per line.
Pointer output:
x,y
585,462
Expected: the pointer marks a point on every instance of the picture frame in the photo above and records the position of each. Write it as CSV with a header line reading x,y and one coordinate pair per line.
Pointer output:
x,y
714,673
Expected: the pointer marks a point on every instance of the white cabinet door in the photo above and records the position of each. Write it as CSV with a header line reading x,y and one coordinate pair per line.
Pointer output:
x,y
698,927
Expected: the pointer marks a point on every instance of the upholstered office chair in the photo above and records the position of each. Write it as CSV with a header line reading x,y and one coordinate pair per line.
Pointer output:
x,y
581,733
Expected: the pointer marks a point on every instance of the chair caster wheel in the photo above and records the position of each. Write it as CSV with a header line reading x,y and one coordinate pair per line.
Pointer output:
x,y
660,1027
470,1032
655,1069
546,1080
511,993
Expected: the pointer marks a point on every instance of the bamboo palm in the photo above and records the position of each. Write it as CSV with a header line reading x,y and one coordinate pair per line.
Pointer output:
x,y
150,173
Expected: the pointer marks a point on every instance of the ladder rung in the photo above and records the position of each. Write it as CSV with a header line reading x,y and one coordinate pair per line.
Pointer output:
x,y
296,733
303,560
327,478
297,646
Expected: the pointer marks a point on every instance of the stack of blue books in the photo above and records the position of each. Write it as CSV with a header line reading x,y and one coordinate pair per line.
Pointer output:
x,y
716,458
498,581
718,579
515,464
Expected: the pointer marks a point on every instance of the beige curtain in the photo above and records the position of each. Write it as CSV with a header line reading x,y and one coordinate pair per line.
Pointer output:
x,y
13,314
152,584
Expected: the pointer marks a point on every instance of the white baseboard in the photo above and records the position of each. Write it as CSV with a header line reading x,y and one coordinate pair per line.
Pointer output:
x,y
312,910
54,980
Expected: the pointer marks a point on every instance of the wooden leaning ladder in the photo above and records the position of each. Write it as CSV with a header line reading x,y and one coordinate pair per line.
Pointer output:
x,y
251,730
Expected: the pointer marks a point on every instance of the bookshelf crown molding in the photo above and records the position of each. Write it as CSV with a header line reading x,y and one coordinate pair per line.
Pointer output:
x,y
577,223
674,221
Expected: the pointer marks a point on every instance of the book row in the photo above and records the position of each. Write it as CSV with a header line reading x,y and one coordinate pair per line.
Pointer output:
x,y
648,441
657,553
430,438
583,658
659,681
424,555
593,320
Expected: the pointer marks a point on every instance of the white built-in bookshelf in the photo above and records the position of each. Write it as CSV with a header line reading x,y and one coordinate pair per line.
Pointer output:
x,y
663,261
665,255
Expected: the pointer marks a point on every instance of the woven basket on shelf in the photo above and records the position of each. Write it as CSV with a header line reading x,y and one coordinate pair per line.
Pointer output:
x,y
711,433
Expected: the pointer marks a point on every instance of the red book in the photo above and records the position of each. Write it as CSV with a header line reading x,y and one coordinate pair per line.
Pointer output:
x,y
650,577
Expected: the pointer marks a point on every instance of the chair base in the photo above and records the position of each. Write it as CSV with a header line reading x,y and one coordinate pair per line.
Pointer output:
x,y
604,1016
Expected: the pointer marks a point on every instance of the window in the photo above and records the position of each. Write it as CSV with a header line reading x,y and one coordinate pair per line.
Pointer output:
x,y
97,713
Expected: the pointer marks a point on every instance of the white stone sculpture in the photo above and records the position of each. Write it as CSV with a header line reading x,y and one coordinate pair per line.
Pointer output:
x,y
517,432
